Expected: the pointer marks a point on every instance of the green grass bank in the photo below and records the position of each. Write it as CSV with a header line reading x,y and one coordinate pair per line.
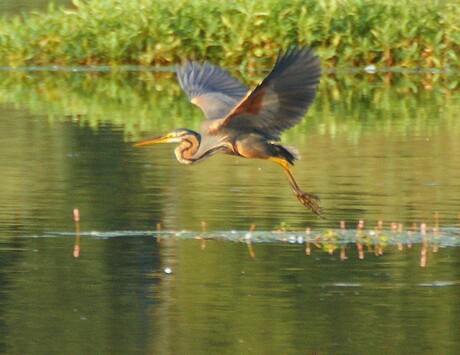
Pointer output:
x,y
244,33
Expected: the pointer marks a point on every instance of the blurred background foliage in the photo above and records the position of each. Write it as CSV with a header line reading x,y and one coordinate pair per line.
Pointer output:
x,y
241,33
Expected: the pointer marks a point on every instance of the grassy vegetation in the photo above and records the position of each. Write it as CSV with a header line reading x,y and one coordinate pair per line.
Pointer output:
x,y
235,33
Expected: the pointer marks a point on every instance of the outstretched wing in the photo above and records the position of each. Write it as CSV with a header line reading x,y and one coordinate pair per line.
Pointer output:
x,y
282,98
210,88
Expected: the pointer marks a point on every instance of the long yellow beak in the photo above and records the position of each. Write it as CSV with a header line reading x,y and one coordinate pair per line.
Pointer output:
x,y
163,139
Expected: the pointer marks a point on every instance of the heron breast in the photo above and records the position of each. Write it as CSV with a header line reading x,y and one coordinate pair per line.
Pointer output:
x,y
251,147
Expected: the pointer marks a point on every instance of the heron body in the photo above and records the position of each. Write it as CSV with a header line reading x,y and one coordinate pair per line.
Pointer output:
x,y
248,123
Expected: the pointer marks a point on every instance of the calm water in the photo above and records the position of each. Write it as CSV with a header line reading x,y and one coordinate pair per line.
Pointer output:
x,y
370,150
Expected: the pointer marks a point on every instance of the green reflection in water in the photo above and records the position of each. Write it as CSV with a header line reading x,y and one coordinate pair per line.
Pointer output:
x,y
152,101
372,150
382,146
117,298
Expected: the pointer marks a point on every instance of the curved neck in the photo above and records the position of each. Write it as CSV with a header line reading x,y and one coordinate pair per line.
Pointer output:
x,y
188,147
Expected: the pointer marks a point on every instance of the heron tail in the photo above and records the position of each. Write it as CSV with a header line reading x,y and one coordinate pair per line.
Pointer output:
x,y
288,153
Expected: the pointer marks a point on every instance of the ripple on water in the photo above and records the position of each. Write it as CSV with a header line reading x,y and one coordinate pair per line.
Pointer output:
x,y
439,284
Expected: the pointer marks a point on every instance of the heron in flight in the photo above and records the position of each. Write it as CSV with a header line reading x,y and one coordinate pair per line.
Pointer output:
x,y
248,123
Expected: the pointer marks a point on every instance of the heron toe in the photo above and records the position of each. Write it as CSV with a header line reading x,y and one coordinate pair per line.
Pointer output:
x,y
311,202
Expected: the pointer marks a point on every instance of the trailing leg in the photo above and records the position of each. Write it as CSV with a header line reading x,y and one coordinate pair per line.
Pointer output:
x,y
307,199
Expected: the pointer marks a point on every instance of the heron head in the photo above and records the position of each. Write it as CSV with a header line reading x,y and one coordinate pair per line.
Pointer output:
x,y
176,136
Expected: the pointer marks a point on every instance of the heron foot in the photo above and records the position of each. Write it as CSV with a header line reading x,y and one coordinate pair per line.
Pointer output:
x,y
311,202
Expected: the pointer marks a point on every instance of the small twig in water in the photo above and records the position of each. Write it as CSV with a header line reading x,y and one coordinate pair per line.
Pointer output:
x,y
76,219
248,237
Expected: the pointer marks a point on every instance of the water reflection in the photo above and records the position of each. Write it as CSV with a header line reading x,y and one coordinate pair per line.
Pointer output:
x,y
118,297
47,170
372,151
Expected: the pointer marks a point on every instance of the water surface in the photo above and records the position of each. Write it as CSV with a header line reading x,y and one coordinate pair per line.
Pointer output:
x,y
133,294
371,150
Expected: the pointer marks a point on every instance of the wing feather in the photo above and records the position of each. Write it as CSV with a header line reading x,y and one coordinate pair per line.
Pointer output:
x,y
282,98
210,88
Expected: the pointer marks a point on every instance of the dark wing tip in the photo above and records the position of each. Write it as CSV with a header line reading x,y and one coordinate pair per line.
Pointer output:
x,y
299,57
283,97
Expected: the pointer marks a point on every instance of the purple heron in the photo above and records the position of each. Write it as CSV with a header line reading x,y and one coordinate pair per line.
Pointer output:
x,y
248,123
